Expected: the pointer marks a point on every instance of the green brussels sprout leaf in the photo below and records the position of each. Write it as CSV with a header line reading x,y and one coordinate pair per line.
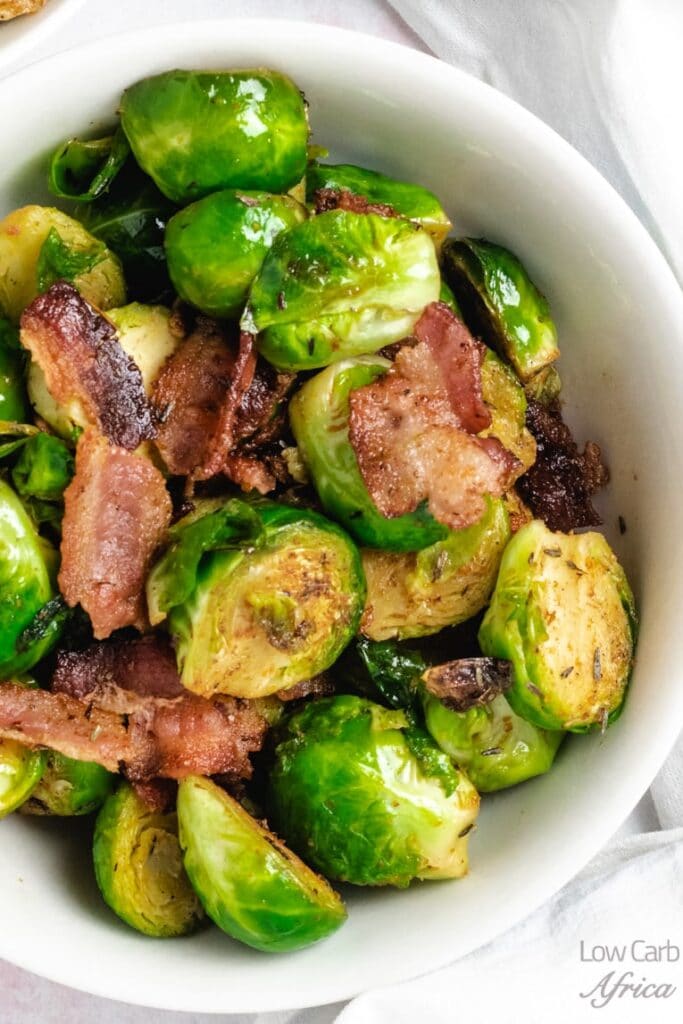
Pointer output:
x,y
44,468
60,261
83,170
13,401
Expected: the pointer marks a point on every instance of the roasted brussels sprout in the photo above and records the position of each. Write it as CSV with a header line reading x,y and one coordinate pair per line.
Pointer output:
x,y
13,404
319,416
338,285
501,303
44,468
414,202
545,386
68,787
258,596
26,567
196,132
83,170
139,869
492,744
506,401
249,883
20,772
38,245
411,595
130,218
369,799
216,246
563,614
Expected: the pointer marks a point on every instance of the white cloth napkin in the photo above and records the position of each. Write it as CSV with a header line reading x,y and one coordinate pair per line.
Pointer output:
x,y
607,75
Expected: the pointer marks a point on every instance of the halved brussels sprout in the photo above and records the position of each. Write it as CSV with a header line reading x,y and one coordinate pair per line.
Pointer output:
x,y
139,867
338,285
38,244
216,246
20,773
411,595
414,202
368,799
506,401
68,787
319,416
13,404
196,132
27,563
563,614
256,612
143,332
249,883
501,303
491,743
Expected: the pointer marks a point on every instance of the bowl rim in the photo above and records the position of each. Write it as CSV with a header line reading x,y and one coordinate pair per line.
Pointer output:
x,y
36,28
585,177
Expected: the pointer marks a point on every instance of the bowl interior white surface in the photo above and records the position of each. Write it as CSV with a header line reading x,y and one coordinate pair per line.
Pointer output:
x,y
20,34
501,174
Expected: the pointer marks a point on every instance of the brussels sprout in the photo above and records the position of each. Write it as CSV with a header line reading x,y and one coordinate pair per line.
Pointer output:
x,y
130,218
319,416
411,201
563,614
492,744
68,787
83,170
448,298
20,772
38,244
411,595
501,303
139,869
44,468
13,404
144,333
25,586
545,386
196,132
506,402
369,799
216,246
338,285
249,883
254,610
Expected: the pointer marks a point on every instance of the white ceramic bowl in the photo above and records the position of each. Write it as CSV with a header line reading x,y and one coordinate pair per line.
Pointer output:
x,y
20,34
503,174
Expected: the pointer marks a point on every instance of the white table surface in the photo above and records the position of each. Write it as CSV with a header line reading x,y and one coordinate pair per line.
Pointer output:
x,y
24,997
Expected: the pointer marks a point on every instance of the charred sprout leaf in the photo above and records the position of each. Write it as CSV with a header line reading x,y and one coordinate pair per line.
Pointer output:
x,y
70,250
68,787
13,400
340,284
468,682
491,743
44,468
501,303
46,626
59,261
256,605
249,883
196,132
412,595
83,170
319,417
139,869
563,614
216,246
367,798
410,201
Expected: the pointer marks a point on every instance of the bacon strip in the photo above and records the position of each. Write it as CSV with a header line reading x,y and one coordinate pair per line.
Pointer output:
x,y
79,353
326,199
411,444
116,512
145,665
143,738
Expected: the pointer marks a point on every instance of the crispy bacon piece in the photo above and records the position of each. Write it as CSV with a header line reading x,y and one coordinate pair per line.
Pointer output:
x,y
326,199
78,351
559,486
459,358
141,737
411,444
468,682
145,665
116,512
158,794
